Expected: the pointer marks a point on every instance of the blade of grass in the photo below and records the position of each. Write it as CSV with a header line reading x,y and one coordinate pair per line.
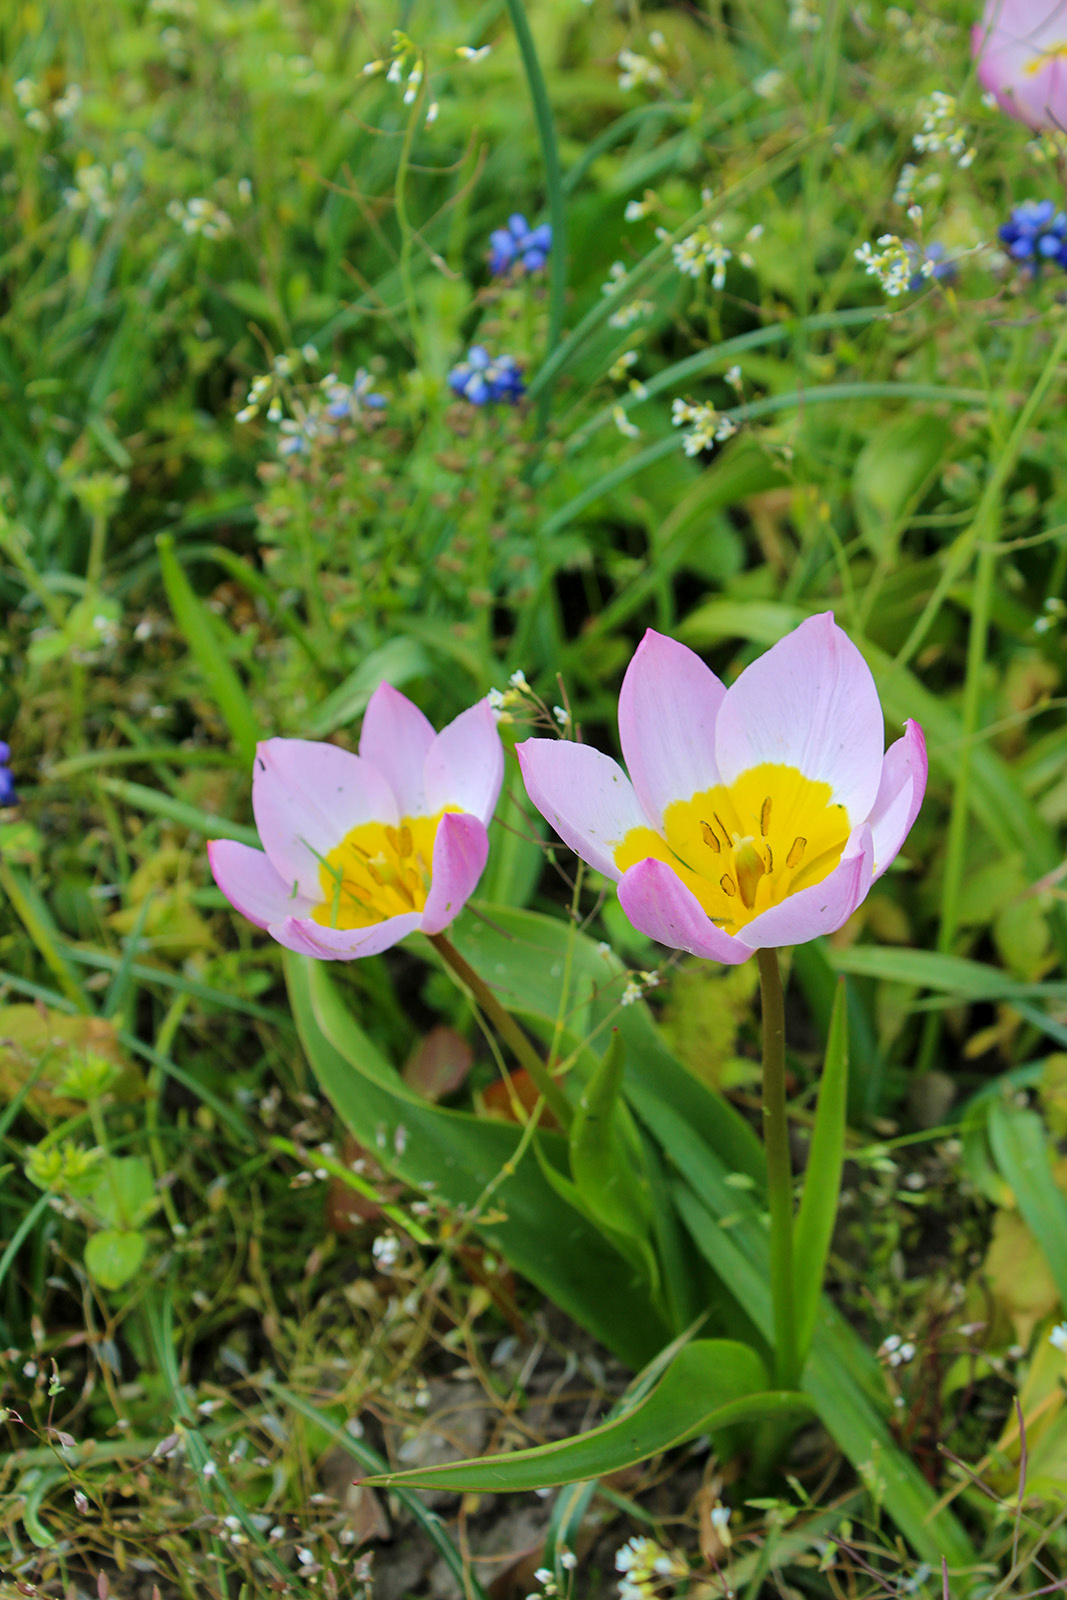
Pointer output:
x,y
140,798
1020,1145
557,204
201,633
822,1180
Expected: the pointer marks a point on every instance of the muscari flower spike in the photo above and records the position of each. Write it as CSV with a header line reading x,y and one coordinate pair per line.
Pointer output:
x,y
1021,50
519,244
483,379
361,850
8,793
1036,232
753,817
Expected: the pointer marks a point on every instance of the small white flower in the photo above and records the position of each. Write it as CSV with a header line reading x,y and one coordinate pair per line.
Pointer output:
x,y
568,1560
386,1251
562,715
431,113
467,52
638,70
628,429
518,679
1058,1336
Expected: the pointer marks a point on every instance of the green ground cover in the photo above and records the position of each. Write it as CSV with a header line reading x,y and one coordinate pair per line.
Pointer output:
x,y
217,211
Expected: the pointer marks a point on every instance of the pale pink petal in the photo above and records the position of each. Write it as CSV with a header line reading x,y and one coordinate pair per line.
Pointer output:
x,y
823,908
658,903
396,738
251,884
900,794
308,938
585,795
465,765
306,797
810,703
460,851
667,709
1008,45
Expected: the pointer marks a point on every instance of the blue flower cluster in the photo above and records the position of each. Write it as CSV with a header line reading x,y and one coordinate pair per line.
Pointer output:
x,y
933,257
482,379
8,796
519,243
1036,232
348,400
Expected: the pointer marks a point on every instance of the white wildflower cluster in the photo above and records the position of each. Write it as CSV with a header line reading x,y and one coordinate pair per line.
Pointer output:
x,y
637,71
619,371
200,216
31,97
910,186
940,131
701,250
768,83
501,700
645,1566
895,1351
705,425
638,985
633,310
891,263
1053,612
93,189
405,67
803,17
636,210
386,1252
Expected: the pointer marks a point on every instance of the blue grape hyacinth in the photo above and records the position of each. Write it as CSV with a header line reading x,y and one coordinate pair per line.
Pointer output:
x,y
1036,232
520,244
8,794
483,379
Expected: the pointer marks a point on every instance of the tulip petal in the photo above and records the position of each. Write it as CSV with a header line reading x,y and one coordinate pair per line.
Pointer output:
x,y
810,703
658,903
900,794
823,908
306,796
460,851
396,738
251,884
465,765
308,938
585,795
668,705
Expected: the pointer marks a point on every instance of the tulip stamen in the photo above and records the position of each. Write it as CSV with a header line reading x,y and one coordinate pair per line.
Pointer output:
x,y
711,838
796,852
765,818
727,884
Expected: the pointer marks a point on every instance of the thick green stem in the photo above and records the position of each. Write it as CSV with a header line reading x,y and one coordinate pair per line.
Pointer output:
x,y
507,1028
779,1169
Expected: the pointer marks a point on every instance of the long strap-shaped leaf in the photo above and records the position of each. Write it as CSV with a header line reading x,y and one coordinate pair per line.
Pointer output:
x,y
709,1385
1021,1150
822,1180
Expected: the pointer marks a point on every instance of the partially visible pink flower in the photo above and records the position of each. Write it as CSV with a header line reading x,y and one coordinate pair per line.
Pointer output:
x,y
359,851
1021,50
753,816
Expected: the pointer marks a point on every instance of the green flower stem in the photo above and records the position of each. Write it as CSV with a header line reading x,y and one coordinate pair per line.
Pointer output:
x,y
779,1169
507,1028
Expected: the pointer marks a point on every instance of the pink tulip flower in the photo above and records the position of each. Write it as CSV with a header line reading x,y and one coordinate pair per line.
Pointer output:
x,y
1021,50
753,816
363,850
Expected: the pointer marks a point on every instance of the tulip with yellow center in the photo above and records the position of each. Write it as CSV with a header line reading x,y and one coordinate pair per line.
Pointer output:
x,y
752,817
361,850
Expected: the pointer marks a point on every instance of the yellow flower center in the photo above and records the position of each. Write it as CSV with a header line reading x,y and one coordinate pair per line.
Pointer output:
x,y
1055,52
746,847
376,872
